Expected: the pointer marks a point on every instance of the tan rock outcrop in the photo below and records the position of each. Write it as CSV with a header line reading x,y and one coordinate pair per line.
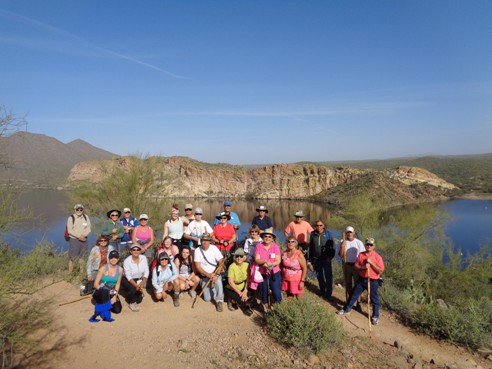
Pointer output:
x,y
184,177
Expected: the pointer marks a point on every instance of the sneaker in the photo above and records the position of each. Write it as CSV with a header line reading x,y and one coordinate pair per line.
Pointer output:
x,y
229,306
248,311
193,294
219,307
134,307
343,312
176,299
374,320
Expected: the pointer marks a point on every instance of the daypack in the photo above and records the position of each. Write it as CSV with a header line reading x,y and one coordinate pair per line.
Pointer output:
x,y
66,234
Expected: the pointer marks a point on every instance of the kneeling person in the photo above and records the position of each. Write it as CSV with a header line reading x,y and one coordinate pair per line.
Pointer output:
x,y
163,277
237,279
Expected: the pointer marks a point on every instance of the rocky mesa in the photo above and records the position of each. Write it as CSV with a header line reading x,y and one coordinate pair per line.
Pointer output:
x,y
185,177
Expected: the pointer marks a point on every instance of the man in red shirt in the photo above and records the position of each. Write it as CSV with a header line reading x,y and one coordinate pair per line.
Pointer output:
x,y
370,266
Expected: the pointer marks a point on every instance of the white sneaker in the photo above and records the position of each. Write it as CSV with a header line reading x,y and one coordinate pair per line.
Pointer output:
x,y
193,294
343,312
374,320
134,307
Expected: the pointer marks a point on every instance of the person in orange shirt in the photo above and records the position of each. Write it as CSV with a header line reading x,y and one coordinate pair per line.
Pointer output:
x,y
300,229
370,266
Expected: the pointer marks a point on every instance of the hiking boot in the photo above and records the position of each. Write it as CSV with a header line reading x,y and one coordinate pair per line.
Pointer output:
x,y
247,311
176,299
219,307
134,307
230,306
343,312
374,320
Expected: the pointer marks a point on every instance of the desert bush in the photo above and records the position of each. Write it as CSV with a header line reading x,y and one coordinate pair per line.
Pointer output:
x,y
21,274
469,323
305,325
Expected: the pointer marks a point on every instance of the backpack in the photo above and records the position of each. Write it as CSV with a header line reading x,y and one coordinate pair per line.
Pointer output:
x,y
66,234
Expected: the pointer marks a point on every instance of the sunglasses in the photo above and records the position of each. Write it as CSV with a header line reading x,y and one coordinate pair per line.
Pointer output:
x,y
128,212
134,250
239,256
79,209
114,215
291,241
198,214
143,219
267,236
188,209
369,244
104,241
223,218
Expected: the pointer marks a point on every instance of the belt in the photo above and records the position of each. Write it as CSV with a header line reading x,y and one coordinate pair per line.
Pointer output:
x,y
351,264
372,280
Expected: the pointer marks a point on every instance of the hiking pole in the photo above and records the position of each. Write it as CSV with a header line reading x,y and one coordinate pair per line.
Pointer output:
x,y
344,243
76,300
369,296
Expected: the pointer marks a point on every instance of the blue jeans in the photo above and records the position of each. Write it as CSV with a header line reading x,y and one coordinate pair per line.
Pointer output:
x,y
324,274
217,291
361,286
274,281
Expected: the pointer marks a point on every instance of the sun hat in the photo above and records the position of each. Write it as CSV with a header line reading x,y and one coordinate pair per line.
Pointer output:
x,y
240,251
143,216
136,246
262,208
113,211
369,241
189,206
299,213
206,237
268,231
349,229
198,211
78,206
223,214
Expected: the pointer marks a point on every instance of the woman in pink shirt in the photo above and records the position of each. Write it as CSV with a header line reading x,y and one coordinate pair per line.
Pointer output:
x,y
267,256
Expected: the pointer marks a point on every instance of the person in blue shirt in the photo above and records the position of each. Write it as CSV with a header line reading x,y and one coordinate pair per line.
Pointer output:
x,y
129,222
234,218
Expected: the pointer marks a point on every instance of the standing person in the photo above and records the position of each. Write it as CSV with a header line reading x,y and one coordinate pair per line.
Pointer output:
x,y
262,220
187,219
196,229
207,258
79,228
301,230
224,234
251,242
369,265
349,251
163,277
233,217
98,257
143,235
174,226
129,223
111,275
321,253
237,282
267,256
136,274
294,269
113,228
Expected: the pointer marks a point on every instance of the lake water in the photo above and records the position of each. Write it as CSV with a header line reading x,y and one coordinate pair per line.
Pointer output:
x,y
469,228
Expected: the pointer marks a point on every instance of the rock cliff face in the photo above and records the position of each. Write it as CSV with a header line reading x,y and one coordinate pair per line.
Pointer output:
x,y
184,177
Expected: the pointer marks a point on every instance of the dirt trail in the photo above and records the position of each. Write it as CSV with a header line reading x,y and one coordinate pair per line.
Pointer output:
x,y
161,335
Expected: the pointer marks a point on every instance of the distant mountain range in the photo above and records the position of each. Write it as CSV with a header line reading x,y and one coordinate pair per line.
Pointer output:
x,y
39,160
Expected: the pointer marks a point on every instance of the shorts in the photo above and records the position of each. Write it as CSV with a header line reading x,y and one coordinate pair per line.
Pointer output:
x,y
292,287
76,249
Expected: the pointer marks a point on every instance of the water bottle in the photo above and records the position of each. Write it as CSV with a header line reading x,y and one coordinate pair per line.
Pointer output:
x,y
82,289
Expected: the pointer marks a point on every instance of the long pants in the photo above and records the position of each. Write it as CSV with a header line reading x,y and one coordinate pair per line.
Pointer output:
x,y
361,286
324,274
233,295
130,292
273,281
216,292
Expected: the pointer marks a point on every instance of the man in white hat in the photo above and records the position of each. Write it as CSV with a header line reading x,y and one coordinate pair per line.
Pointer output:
x,y
262,220
196,229
129,223
350,248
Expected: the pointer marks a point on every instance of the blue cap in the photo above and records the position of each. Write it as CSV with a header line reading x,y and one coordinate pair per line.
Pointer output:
x,y
227,203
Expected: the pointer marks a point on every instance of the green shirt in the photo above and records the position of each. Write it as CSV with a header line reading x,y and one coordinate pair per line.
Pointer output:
x,y
239,274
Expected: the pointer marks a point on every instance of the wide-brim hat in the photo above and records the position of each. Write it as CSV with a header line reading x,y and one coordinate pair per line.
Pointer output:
x,y
299,214
113,211
262,208
223,214
240,251
206,237
267,231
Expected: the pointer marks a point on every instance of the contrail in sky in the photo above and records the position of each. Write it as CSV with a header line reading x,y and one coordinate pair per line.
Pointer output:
x,y
20,18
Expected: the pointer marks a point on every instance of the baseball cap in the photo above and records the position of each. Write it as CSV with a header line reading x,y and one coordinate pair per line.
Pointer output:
x,y
350,229
114,254
227,203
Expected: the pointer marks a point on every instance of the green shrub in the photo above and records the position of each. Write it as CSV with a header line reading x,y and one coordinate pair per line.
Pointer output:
x,y
305,325
469,324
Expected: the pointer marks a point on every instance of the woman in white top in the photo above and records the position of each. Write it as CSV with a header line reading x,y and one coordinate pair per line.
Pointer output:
x,y
163,277
136,270
174,226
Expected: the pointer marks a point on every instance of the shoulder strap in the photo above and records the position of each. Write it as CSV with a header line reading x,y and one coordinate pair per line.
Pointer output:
x,y
73,219
206,257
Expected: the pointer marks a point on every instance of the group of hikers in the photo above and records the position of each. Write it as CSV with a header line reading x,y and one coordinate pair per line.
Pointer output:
x,y
195,256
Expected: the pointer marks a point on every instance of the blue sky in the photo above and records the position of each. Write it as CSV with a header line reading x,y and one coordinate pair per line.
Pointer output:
x,y
253,81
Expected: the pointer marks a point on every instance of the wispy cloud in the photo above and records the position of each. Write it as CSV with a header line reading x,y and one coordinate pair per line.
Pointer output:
x,y
61,46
